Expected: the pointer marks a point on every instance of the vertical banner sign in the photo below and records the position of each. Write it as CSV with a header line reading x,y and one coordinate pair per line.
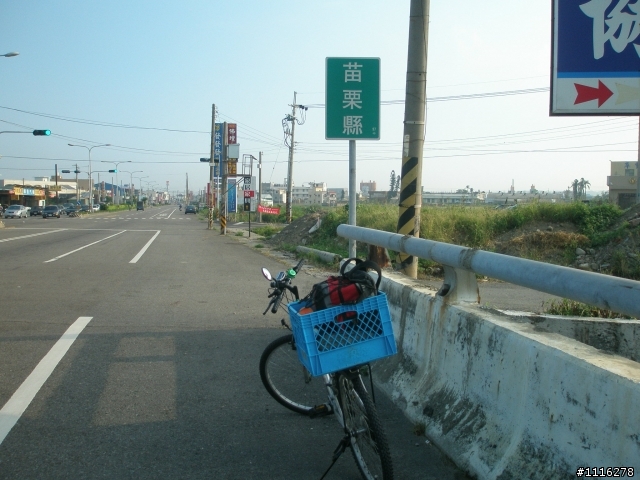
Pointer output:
x,y
352,103
217,142
595,57
231,196
232,134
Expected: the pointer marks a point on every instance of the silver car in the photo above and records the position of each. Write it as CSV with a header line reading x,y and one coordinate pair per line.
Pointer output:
x,y
16,211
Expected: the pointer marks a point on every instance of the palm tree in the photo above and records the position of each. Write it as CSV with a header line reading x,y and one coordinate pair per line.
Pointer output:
x,y
585,184
574,185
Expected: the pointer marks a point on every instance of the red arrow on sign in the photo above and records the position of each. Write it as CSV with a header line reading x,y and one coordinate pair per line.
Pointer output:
x,y
587,93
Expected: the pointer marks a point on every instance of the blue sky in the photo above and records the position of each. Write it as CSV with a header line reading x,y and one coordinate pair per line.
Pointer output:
x,y
159,66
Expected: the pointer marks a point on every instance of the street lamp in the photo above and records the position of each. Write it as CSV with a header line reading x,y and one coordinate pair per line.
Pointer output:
x,y
10,54
115,170
90,176
131,184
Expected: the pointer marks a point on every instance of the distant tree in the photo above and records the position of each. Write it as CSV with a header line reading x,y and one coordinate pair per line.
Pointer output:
x,y
397,189
575,186
342,195
392,185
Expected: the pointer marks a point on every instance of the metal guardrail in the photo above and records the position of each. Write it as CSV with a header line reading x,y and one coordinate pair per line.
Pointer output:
x,y
462,263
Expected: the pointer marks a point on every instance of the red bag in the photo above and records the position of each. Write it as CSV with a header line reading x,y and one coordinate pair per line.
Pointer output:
x,y
348,288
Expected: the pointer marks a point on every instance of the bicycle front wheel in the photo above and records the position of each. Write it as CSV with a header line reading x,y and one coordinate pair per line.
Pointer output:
x,y
287,380
368,440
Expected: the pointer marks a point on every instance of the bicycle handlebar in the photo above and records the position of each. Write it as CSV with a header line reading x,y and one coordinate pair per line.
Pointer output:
x,y
280,286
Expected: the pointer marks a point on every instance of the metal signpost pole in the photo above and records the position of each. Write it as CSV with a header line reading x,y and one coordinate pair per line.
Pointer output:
x,y
352,194
352,112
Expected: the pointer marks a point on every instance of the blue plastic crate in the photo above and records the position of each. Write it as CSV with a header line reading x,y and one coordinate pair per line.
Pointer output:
x,y
337,338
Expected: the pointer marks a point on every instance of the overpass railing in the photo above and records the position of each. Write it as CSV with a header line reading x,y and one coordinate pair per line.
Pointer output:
x,y
461,264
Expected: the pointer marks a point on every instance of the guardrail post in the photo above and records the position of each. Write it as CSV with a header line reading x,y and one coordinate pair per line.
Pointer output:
x,y
459,286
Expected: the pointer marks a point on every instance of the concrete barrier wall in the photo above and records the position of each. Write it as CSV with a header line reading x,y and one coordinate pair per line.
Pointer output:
x,y
503,399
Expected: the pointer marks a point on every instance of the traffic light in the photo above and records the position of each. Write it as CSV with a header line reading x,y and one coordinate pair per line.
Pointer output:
x,y
113,171
45,133
66,171
205,159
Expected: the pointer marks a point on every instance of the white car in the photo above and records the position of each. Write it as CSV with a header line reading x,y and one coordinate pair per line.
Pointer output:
x,y
16,211
96,207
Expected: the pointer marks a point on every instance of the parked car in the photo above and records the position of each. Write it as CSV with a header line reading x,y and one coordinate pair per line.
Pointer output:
x,y
37,210
51,211
96,207
190,209
15,211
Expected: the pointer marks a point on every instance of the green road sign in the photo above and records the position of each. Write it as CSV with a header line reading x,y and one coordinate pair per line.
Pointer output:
x,y
352,104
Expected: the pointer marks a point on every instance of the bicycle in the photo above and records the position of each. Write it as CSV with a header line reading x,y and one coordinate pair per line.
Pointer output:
x,y
292,385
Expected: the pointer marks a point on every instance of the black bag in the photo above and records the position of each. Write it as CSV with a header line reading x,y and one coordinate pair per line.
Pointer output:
x,y
348,288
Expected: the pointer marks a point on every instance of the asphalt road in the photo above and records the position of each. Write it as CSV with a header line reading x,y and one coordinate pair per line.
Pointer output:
x,y
160,379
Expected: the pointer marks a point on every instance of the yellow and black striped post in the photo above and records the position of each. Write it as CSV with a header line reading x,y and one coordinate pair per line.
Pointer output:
x,y
223,224
410,202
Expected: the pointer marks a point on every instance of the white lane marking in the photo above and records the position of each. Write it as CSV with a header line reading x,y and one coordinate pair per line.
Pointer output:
x,y
82,248
172,212
144,249
20,400
32,235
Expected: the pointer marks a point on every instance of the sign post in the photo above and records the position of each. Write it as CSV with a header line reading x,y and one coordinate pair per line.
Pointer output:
x,y
352,111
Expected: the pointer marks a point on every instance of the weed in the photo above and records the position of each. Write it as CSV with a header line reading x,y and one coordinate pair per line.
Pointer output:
x,y
573,308
267,231
259,245
239,234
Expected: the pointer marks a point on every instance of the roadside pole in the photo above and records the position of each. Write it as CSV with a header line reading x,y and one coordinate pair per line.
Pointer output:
x,y
290,169
352,194
211,166
410,202
224,188
259,186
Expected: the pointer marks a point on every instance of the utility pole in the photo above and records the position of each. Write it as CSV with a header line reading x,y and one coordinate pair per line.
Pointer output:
x,y
289,134
211,165
259,186
410,202
292,119
224,195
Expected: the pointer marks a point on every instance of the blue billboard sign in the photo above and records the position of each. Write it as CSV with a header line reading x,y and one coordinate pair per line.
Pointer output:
x,y
595,58
232,204
217,142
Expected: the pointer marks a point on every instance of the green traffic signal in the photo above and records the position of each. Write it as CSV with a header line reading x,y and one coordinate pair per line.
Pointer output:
x,y
42,132
113,171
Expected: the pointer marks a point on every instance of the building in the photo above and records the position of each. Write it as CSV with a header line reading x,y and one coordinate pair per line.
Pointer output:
x,y
277,191
622,183
512,198
367,187
453,198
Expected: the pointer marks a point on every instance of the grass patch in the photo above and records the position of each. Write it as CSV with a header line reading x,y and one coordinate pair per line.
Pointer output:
x,y
577,309
259,245
239,234
267,231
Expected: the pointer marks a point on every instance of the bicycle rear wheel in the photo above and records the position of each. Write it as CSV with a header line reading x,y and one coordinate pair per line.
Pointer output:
x,y
368,440
287,380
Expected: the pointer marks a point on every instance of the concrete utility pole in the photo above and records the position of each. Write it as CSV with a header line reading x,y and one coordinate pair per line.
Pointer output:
x,y
224,165
259,186
414,127
292,119
211,165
